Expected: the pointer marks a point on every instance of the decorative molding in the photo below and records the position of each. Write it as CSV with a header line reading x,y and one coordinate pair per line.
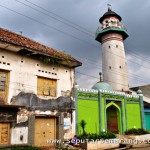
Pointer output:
x,y
132,100
87,90
93,94
104,95
87,95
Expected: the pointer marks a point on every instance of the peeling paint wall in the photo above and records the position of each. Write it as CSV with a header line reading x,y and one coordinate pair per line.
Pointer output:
x,y
33,102
19,135
23,74
69,126
68,121
25,70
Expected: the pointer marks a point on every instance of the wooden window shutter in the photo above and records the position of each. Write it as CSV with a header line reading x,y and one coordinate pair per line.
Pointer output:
x,y
46,87
40,86
53,88
4,133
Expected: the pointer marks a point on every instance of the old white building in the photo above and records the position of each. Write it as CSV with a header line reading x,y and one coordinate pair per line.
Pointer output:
x,y
36,84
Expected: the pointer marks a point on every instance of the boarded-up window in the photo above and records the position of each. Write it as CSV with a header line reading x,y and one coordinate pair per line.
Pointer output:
x,y
46,86
4,133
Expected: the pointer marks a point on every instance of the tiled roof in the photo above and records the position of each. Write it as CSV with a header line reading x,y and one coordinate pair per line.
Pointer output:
x,y
26,43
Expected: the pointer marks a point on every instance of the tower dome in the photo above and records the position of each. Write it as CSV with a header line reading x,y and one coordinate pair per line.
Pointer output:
x,y
108,14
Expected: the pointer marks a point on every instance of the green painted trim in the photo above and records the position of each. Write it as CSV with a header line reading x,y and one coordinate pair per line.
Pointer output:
x,y
112,103
100,33
100,111
112,96
85,98
132,102
113,99
122,118
142,113
87,95
126,119
76,113
132,99
105,115
110,29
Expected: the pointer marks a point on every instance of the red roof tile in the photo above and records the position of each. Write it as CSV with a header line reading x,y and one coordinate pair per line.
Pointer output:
x,y
19,40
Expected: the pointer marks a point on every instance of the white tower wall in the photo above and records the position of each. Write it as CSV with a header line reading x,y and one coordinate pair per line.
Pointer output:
x,y
113,62
111,35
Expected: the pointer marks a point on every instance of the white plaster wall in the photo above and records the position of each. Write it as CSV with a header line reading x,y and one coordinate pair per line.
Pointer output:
x,y
23,75
69,128
16,133
74,123
114,57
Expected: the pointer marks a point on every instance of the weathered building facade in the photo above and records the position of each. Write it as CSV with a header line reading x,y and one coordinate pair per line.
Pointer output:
x,y
36,91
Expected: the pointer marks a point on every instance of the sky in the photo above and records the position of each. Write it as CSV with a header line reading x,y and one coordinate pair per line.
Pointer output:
x,y
70,25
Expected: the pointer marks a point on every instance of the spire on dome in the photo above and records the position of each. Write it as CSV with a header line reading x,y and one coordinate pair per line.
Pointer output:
x,y
101,77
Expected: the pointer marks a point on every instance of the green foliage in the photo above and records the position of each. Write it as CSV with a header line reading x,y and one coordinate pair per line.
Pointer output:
x,y
107,135
83,124
26,148
135,131
102,135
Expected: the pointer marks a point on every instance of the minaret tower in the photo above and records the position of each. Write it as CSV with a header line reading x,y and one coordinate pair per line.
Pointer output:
x,y
111,35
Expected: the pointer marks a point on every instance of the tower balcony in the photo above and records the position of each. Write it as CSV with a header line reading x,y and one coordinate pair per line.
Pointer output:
x,y
100,32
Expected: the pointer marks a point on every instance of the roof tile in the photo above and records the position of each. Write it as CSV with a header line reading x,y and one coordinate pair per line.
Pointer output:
x,y
19,40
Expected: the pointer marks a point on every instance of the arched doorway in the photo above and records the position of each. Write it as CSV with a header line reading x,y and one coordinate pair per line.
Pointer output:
x,y
113,119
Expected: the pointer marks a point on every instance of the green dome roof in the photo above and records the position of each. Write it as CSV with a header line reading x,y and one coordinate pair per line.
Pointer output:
x,y
102,86
139,91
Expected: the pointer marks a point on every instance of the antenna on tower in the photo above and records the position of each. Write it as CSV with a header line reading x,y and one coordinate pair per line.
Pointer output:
x,y
109,7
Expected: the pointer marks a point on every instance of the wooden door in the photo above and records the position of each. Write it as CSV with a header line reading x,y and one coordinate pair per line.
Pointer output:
x,y
4,133
112,119
3,86
45,129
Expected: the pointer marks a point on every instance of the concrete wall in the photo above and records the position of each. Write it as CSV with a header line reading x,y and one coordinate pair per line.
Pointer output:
x,y
88,110
19,135
133,119
24,72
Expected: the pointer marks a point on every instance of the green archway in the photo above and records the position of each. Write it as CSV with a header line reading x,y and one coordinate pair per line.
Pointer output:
x,y
113,119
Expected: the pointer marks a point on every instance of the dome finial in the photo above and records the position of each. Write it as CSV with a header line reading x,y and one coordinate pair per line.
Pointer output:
x,y
101,77
109,7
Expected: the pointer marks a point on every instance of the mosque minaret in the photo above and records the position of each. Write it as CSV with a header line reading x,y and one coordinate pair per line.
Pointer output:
x,y
111,35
